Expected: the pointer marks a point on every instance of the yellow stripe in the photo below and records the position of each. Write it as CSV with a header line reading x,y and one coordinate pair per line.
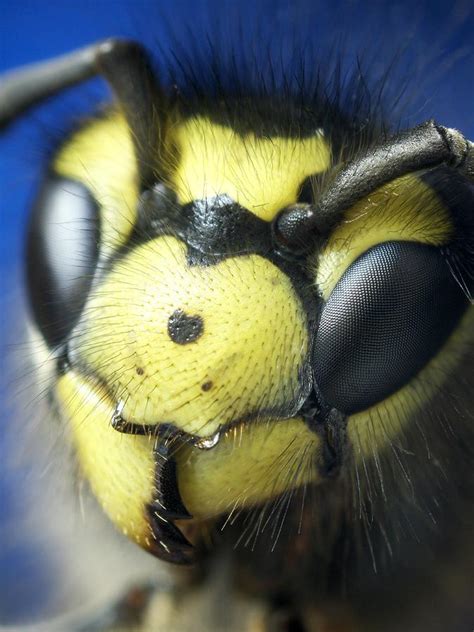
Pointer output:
x,y
405,209
262,174
250,464
120,468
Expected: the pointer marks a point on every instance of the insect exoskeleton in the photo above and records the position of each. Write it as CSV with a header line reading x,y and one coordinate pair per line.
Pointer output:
x,y
241,304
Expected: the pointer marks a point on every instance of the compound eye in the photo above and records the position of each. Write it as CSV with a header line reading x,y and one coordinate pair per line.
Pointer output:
x,y
391,311
62,254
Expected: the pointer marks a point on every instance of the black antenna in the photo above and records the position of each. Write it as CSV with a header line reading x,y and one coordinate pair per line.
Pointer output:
x,y
424,147
126,66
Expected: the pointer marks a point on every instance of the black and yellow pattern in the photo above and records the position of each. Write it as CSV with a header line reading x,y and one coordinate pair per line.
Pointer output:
x,y
248,362
222,348
264,309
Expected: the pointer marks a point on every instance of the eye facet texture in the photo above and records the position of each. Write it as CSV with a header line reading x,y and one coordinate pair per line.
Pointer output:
x,y
62,254
388,315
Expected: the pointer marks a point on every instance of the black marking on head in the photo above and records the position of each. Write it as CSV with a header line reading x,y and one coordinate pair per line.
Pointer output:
x,y
219,225
158,214
140,370
330,425
265,115
306,192
207,386
184,329
213,228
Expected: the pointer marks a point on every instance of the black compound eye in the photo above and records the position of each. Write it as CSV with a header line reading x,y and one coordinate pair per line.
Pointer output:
x,y
62,254
386,318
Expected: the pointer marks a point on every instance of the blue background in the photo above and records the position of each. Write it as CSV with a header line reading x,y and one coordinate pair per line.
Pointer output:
x,y
432,43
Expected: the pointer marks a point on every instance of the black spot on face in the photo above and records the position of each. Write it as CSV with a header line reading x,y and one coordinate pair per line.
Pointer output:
x,y
183,328
139,370
207,386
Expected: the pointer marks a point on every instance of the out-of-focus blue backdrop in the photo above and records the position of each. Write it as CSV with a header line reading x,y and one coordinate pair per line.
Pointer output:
x,y
432,43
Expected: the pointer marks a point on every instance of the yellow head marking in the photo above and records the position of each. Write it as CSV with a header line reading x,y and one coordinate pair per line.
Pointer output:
x,y
250,464
405,209
247,331
261,174
120,468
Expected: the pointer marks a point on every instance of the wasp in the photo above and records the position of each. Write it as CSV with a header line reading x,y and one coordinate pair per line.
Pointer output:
x,y
255,324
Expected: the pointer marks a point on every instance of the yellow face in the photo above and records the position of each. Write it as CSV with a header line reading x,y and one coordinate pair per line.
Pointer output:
x,y
262,174
199,348
237,375
217,354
